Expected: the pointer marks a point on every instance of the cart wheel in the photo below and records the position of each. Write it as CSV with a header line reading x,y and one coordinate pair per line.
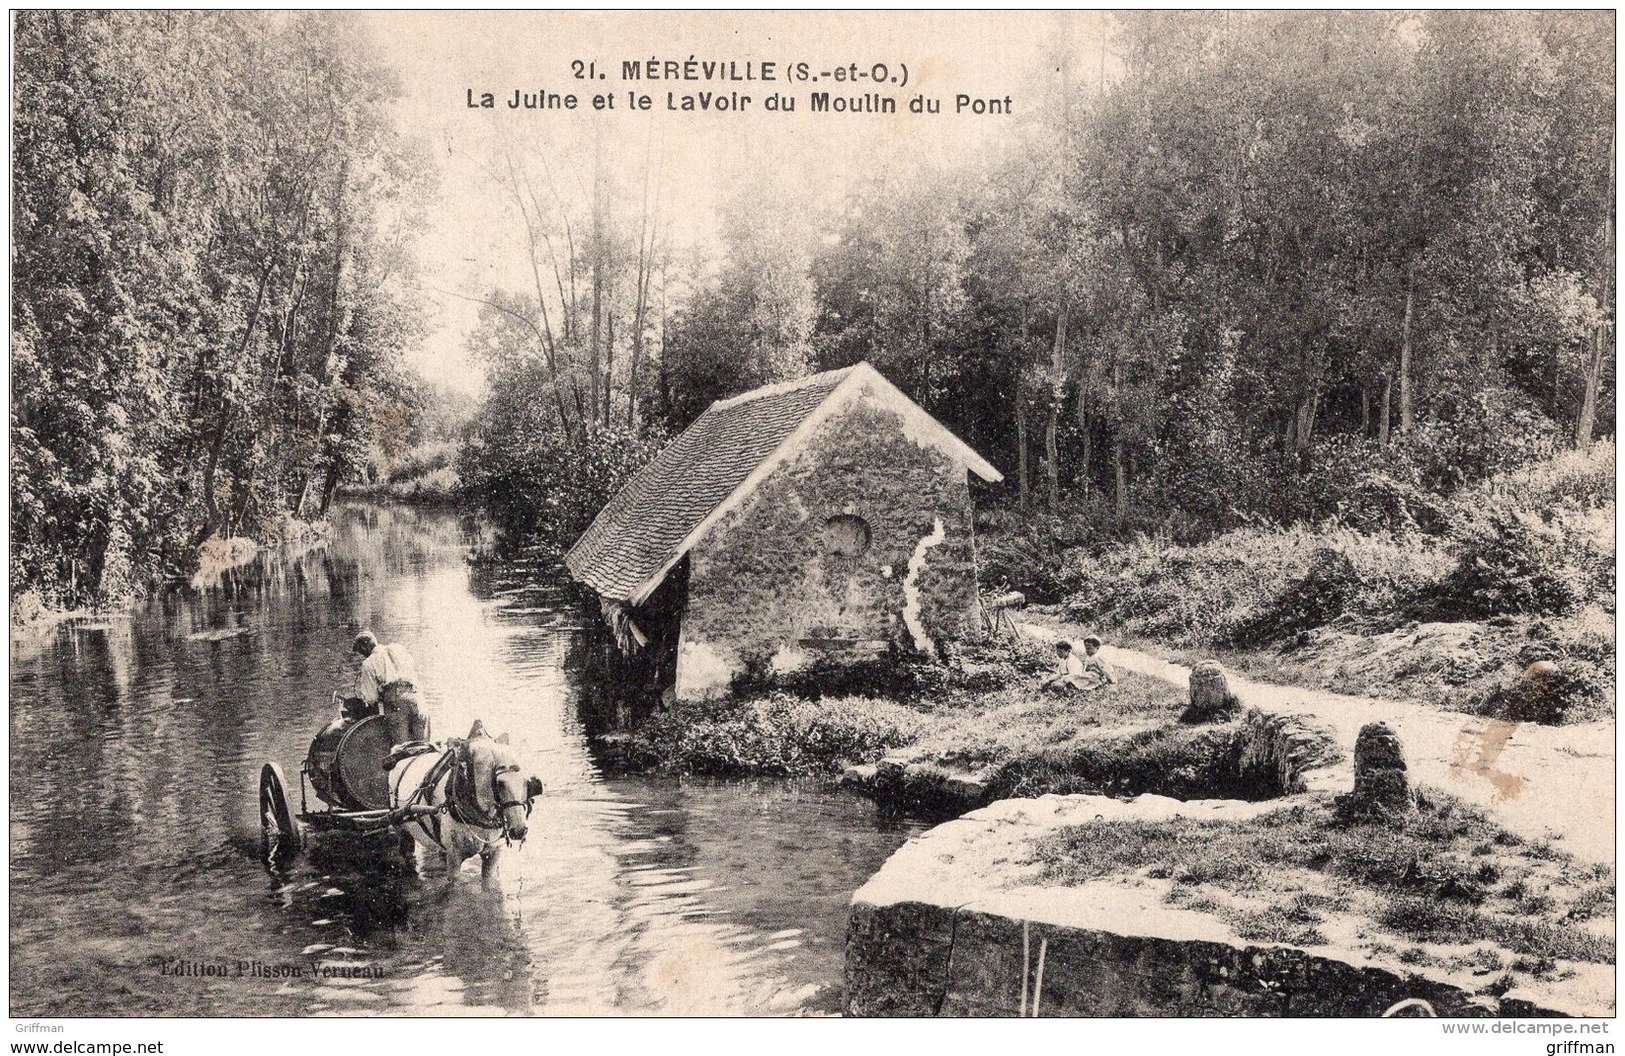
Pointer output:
x,y
280,833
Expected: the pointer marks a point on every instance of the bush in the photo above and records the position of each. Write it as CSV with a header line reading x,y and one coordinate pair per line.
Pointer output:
x,y
421,461
1329,588
1487,432
1357,484
1023,553
1251,584
778,735
542,486
895,676
1578,480
1509,561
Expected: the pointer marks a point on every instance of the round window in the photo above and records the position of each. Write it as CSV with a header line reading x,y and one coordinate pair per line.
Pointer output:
x,y
845,535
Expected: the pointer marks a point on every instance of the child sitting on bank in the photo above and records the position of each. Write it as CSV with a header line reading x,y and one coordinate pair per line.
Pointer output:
x,y
1073,673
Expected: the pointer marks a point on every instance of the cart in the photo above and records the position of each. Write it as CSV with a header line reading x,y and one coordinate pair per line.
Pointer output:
x,y
346,770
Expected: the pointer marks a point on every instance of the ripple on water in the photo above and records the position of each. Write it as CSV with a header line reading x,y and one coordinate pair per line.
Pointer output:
x,y
140,742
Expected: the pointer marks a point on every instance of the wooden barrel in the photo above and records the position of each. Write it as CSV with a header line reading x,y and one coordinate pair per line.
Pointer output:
x,y
346,764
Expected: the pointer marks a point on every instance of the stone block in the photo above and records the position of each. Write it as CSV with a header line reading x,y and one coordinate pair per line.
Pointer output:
x,y
860,776
1381,782
1211,699
897,959
969,789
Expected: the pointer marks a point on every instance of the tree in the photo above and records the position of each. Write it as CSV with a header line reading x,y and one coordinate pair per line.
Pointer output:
x,y
189,266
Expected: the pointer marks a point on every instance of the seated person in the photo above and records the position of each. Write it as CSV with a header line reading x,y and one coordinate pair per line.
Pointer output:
x,y
1072,672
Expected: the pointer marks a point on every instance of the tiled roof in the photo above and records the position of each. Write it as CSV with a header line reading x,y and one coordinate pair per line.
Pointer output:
x,y
644,526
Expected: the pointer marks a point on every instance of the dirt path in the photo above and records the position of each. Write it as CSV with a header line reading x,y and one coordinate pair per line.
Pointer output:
x,y
1541,782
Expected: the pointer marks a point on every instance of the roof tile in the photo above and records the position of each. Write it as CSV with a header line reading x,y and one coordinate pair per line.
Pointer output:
x,y
644,525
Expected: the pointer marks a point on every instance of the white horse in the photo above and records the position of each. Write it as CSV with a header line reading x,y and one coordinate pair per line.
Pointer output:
x,y
464,799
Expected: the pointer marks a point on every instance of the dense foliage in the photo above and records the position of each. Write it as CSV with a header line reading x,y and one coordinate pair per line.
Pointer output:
x,y
207,308
1271,267
776,735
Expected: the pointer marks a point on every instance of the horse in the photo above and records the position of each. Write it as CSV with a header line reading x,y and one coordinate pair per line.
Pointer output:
x,y
463,799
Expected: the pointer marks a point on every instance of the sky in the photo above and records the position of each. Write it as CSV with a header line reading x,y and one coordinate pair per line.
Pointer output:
x,y
474,241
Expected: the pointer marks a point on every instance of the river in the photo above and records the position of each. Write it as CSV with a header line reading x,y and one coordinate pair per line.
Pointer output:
x,y
137,886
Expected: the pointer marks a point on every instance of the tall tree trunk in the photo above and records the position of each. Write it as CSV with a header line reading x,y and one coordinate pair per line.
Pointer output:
x,y
595,397
1088,432
1052,455
1304,421
609,365
1586,427
640,312
1386,414
522,191
1021,451
1121,497
1407,411
1120,476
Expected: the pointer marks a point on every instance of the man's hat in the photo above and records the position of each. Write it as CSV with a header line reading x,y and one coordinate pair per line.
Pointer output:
x,y
365,642
1092,640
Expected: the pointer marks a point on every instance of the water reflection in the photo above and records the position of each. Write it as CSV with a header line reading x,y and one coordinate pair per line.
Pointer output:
x,y
136,744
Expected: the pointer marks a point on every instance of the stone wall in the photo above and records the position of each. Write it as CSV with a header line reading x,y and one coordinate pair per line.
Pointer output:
x,y
764,588
918,959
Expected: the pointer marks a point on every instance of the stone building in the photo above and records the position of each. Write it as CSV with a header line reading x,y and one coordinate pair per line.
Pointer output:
x,y
824,517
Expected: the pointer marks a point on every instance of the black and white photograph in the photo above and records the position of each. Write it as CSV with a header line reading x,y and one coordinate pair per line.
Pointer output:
x,y
1100,515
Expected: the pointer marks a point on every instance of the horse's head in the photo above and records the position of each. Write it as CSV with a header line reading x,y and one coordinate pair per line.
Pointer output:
x,y
500,788
513,796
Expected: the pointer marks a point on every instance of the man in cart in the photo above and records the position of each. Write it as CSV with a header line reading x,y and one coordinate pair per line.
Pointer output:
x,y
388,682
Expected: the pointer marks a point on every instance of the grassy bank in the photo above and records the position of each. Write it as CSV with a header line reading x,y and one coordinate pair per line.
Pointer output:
x,y
1516,570
985,715
1449,889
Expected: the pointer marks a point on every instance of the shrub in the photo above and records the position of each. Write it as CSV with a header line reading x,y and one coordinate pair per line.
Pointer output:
x,y
1509,561
1330,587
542,486
1023,553
1359,485
421,461
1490,431
1581,480
1571,693
778,735
1253,584
896,676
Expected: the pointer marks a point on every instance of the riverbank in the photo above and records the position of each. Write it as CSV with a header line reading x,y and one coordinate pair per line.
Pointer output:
x,y
944,738
32,618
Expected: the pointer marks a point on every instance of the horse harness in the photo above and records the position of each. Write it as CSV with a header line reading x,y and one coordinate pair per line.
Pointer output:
x,y
462,794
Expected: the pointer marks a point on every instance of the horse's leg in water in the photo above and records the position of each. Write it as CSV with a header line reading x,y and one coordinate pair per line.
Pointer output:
x,y
488,862
459,848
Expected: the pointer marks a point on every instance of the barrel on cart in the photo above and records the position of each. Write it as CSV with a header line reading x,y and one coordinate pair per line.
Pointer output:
x,y
346,764
345,768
